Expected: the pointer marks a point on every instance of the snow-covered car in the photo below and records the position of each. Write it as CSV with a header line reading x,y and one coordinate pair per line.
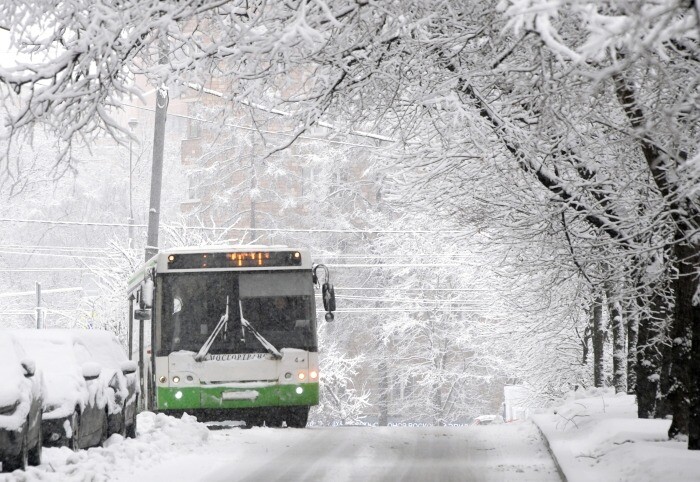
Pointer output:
x,y
21,399
123,378
487,420
86,394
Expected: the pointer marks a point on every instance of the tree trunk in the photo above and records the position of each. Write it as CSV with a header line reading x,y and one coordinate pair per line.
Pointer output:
x,y
664,405
383,404
598,342
632,340
694,369
647,373
648,355
438,418
684,287
618,332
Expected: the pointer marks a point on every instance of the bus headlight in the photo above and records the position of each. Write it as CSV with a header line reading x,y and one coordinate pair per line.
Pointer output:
x,y
178,395
301,375
162,379
300,390
176,379
313,375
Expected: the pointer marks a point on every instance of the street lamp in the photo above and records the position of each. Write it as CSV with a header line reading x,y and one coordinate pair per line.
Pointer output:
x,y
132,126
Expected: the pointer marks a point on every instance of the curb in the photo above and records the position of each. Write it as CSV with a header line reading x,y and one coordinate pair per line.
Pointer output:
x,y
551,452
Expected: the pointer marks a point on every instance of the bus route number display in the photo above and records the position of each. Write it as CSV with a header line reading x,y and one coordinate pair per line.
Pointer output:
x,y
253,259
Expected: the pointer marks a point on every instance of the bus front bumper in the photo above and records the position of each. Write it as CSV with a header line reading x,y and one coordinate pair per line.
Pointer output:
x,y
217,397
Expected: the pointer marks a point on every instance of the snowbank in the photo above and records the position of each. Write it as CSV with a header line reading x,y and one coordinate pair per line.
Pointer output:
x,y
596,436
160,438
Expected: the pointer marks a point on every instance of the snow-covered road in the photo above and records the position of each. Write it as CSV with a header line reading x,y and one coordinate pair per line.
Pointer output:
x,y
173,450
373,453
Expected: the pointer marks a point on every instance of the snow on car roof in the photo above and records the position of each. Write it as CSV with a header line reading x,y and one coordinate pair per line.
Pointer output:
x,y
10,370
486,417
57,354
103,345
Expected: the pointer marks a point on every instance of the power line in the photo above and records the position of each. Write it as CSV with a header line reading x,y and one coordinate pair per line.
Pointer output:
x,y
71,223
391,256
255,129
282,113
422,301
399,310
395,265
432,300
344,266
93,250
40,270
55,248
53,255
43,291
397,288
271,230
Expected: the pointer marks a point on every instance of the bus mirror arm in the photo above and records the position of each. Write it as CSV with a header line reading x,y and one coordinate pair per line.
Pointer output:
x,y
142,314
147,293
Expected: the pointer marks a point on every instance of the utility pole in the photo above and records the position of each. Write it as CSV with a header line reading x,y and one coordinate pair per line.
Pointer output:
x,y
157,171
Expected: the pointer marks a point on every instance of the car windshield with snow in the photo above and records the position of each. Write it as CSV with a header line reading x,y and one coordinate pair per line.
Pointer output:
x,y
21,398
86,390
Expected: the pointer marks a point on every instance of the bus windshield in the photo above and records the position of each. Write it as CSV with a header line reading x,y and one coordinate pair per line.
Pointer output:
x,y
279,305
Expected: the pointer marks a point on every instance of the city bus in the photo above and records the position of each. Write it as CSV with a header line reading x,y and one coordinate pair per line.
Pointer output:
x,y
229,332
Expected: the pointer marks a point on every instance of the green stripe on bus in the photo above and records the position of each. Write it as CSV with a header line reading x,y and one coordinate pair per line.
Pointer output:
x,y
211,397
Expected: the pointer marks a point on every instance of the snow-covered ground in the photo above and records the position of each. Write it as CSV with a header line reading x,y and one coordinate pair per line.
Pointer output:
x,y
172,449
596,436
159,438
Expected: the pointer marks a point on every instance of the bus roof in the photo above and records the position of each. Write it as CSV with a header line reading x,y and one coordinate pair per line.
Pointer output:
x,y
160,260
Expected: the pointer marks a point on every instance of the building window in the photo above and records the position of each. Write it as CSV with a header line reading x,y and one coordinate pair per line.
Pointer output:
x,y
194,129
192,188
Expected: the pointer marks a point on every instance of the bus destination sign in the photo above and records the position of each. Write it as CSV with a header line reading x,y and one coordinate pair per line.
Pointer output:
x,y
252,259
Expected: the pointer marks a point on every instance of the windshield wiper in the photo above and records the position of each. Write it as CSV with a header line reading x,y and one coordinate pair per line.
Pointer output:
x,y
268,346
217,329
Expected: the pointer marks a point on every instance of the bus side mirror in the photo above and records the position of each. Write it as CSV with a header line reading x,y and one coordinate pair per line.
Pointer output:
x,y
328,295
327,292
